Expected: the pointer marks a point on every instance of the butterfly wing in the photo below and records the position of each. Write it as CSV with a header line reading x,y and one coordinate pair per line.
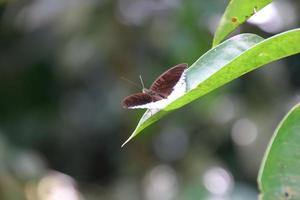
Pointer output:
x,y
161,88
165,83
138,100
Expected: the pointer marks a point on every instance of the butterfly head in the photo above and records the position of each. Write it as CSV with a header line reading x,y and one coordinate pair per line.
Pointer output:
x,y
146,91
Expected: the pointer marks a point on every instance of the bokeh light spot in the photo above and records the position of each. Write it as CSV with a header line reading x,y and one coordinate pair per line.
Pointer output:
x,y
218,181
161,183
244,132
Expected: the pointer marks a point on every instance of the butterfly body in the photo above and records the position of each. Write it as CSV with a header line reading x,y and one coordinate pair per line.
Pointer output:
x,y
155,96
164,90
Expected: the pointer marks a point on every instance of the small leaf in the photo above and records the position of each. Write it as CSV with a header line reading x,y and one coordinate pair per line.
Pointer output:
x,y
224,63
279,176
236,13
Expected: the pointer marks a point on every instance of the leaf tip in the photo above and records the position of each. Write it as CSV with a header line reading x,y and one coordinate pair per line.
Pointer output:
x,y
127,141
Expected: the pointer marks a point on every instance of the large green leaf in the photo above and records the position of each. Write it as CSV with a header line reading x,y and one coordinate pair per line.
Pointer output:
x,y
236,13
226,62
279,176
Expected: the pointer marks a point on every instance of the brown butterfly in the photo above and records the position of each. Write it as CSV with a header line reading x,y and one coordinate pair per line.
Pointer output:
x,y
160,91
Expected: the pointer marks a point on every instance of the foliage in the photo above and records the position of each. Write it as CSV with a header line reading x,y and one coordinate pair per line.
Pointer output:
x,y
60,116
279,174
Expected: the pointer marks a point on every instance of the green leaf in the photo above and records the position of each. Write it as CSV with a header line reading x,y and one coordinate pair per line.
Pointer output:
x,y
236,13
279,176
226,62
212,61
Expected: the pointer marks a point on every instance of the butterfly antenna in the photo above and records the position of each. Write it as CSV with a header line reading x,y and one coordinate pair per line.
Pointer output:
x,y
142,81
129,81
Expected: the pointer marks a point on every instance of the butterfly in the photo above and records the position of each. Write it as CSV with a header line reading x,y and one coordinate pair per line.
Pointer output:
x,y
166,88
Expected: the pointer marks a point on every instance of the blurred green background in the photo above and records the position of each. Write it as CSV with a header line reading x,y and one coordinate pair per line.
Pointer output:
x,y
62,125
